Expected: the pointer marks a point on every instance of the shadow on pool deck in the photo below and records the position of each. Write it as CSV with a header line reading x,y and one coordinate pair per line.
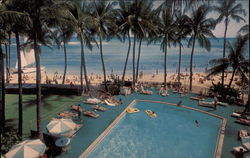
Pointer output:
x,y
92,128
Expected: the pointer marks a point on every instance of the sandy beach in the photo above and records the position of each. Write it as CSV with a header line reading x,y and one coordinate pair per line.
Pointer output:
x,y
199,81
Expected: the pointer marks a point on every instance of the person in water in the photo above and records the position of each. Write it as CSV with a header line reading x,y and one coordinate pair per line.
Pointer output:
x,y
197,123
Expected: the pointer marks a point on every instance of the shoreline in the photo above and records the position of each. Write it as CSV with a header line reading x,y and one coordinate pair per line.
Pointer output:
x,y
199,81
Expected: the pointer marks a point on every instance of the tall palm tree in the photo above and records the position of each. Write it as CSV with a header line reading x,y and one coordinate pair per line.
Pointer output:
x,y
147,21
103,22
17,29
235,60
181,34
200,28
168,33
38,34
76,17
124,23
228,9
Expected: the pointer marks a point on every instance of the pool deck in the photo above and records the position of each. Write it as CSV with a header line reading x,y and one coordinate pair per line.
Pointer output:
x,y
93,128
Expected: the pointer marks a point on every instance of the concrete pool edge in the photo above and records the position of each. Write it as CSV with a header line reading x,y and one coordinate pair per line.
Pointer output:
x,y
220,139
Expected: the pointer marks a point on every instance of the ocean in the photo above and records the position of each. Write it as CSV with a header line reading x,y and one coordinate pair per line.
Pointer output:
x,y
151,61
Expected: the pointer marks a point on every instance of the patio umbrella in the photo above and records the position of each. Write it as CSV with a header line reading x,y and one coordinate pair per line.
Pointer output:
x,y
60,126
27,149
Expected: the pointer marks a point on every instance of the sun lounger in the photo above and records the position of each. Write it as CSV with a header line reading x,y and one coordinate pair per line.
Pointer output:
x,y
108,103
206,104
237,149
234,114
77,108
99,108
222,103
243,121
91,114
164,94
246,143
197,98
151,113
243,134
132,110
92,101
147,92
67,114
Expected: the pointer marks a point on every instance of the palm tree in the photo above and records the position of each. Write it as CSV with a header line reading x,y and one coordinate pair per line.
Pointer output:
x,y
200,28
235,60
124,23
147,20
76,17
228,9
103,22
168,32
181,33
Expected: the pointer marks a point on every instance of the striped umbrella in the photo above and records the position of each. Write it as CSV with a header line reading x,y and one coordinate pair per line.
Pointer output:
x,y
60,127
27,149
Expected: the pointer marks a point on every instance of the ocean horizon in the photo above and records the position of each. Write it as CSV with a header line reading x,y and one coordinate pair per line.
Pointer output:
x,y
114,51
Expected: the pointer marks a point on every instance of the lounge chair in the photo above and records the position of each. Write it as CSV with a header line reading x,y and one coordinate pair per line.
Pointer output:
x,y
237,149
243,121
151,113
77,108
246,143
206,104
99,108
197,98
243,134
91,114
67,114
222,103
92,101
132,110
237,115
147,92
106,101
164,94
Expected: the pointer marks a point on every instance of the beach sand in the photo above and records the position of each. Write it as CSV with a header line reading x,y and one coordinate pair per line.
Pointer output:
x,y
199,81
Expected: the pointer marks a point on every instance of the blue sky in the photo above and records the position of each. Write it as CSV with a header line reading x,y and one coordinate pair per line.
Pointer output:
x,y
233,25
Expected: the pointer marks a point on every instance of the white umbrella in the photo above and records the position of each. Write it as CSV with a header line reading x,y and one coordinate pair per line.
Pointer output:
x,y
60,126
27,149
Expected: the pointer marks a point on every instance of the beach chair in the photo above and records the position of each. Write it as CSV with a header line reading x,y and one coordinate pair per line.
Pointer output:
x,y
243,134
206,104
99,108
91,114
243,121
77,108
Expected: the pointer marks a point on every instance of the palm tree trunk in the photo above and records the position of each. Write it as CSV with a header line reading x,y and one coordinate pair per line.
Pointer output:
x,y
138,60
65,61
38,88
81,65
84,65
20,87
134,61
224,49
126,62
2,90
165,66
179,66
7,63
191,66
103,66
229,85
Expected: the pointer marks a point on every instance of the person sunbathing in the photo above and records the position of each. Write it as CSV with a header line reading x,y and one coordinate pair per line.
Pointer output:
x,y
77,108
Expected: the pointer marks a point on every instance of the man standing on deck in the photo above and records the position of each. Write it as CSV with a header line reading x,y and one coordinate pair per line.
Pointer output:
x,y
215,101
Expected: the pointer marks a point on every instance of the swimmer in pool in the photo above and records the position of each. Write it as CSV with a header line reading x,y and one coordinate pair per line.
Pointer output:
x,y
197,123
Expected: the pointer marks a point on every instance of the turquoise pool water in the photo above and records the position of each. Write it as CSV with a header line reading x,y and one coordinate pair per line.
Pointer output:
x,y
173,134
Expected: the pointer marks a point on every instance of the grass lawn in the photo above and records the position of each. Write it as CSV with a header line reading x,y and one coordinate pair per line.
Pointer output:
x,y
51,105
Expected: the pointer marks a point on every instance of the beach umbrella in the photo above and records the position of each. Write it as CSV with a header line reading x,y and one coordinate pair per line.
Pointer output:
x,y
60,126
27,149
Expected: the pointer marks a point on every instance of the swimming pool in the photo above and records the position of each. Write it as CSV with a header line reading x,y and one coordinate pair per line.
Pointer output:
x,y
174,133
